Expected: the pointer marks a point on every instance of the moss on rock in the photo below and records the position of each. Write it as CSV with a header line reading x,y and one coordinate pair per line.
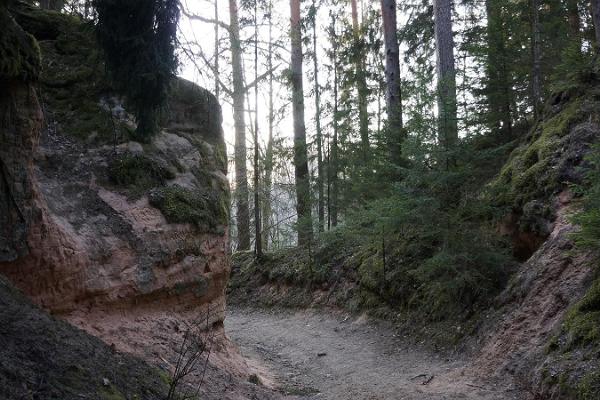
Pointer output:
x,y
208,211
582,324
138,173
532,172
19,51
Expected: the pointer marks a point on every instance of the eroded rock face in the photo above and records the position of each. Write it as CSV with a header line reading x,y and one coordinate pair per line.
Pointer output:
x,y
20,122
95,245
80,231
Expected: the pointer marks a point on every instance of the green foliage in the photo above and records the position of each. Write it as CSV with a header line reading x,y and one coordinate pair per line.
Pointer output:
x,y
582,324
138,173
72,80
589,218
207,210
589,387
441,261
138,37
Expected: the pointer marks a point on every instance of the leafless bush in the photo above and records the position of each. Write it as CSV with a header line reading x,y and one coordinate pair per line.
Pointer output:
x,y
192,360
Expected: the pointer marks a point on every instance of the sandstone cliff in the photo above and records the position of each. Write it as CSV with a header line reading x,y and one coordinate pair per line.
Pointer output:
x,y
125,240
103,223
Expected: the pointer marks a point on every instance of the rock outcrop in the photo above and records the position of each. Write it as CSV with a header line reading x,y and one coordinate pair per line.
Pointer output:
x,y
99,223
125,240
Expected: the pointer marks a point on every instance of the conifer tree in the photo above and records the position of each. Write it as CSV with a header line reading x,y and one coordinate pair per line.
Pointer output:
x,y
393,79
446,75
138,38
240,157
303,203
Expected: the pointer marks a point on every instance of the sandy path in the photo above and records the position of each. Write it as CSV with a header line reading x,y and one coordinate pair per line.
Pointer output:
x,y
315,355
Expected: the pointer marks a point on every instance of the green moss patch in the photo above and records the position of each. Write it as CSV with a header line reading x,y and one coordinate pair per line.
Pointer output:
x,y
207,210
138,173
19,51
589,387
582,324
532,171
72,78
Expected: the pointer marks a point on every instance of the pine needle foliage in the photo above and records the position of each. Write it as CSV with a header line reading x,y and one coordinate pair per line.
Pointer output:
x,y
139,38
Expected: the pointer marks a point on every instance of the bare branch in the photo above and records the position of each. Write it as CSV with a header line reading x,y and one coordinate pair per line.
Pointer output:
x,y
195,17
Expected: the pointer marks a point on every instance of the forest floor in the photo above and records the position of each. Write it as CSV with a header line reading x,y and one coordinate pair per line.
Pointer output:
x,y
334,356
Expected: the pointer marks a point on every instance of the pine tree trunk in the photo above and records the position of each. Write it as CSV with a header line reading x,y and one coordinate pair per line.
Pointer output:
x,y
303,206
393,79
596,17
574,20
240,157
320,189
446,75
267,211
257,219
536,54
216,66
498,82
361,84
333,173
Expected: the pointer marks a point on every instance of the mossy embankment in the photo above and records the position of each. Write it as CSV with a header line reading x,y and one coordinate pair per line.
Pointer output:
x,y
576,345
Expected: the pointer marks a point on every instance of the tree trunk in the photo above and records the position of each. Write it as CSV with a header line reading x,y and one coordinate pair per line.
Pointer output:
x,y
498,82
257,220
333,173
392,76
536,54
269,151
216,66
574,20
320,189
596,17
446,75
361,84
241,174
303,206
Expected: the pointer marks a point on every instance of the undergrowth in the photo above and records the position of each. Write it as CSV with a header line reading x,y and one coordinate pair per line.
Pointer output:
x,y
421,249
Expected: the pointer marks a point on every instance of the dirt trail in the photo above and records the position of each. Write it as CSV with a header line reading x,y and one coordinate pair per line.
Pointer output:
x,y
312,355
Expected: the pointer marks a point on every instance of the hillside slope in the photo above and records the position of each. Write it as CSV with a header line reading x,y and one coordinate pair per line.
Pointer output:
x,y
534,329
